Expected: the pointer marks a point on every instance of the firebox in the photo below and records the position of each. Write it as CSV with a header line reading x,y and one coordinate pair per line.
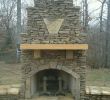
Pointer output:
x,y
52,82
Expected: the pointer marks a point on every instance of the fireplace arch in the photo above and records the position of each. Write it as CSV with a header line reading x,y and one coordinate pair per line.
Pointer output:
x,y
71,78
34,68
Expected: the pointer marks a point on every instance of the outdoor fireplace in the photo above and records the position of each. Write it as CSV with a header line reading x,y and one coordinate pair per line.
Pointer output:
x,y
53,51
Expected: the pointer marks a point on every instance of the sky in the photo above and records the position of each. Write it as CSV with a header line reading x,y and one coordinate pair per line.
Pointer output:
x,y
93,7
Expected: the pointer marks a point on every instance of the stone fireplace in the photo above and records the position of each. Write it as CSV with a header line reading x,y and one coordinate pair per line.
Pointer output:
x,y
53,51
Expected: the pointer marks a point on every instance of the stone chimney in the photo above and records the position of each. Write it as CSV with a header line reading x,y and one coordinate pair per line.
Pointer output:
x,y
53,51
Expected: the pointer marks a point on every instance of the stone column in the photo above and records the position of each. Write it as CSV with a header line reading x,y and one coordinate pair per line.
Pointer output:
x,y
77,95
45,84
26,57
81,62
28,88
60,84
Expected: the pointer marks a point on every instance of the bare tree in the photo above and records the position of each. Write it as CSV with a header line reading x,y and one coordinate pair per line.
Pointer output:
x,y
85,15
7,11
107,36
101,14
18,21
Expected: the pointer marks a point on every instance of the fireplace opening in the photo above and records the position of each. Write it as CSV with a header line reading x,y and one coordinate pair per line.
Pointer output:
x,y
52,82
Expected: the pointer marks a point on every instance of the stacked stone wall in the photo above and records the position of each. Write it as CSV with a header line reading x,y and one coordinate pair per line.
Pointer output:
x,y
9,97
97,97
69,31
50,3
63,14
77,65
9,92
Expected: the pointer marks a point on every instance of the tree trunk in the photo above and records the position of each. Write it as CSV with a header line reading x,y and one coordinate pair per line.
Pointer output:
x,y
18,21
85,15
107,36
101,16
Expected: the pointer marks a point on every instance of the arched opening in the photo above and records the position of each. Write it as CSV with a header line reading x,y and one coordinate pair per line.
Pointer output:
x,y
54,82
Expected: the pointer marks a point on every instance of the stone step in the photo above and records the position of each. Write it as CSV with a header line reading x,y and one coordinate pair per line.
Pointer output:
x,y
46,98
52,98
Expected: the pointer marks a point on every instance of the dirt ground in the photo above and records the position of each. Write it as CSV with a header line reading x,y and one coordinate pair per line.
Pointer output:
x,y
98,77
11,74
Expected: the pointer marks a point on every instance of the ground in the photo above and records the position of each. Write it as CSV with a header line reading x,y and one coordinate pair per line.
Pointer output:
x,y
98,77
10,74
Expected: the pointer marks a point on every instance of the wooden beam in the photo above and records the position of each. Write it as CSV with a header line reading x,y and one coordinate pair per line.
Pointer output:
x,y
69,54
54,46
37,54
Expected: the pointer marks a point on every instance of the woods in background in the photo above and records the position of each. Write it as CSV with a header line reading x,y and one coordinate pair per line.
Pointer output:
x,y
97,28
98,34
7,22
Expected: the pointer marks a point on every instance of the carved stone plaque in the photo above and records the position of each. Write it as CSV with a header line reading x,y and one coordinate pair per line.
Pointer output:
x,y
53,25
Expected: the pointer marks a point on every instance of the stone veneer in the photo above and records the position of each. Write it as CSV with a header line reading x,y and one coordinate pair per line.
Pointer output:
x,y
69,31
75,67
38,32
97,97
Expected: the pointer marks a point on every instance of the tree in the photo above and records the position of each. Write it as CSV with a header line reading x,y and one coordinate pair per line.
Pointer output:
x,y
107,35
101,14
85,15
18,21
7,11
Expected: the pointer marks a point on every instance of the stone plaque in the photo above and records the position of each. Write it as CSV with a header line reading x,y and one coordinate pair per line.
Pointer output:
x,y
53,25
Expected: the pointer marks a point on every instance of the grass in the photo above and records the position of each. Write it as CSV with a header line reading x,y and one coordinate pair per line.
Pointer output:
x,y
11,74
98,77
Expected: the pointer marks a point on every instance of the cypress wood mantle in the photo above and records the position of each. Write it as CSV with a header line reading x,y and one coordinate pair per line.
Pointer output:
x,y
54,46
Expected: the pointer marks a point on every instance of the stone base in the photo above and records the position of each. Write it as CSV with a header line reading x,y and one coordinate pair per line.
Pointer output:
x,y
51,98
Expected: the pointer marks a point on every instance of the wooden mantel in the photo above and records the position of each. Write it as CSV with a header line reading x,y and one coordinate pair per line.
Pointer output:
x,y
54,46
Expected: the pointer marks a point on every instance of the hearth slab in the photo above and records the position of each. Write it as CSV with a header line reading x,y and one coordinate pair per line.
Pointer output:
x,y
52,98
